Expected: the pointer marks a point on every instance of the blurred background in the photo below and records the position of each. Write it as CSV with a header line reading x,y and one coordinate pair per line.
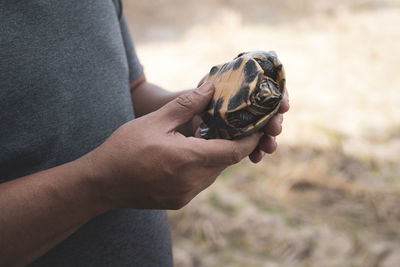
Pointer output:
x,y
330,195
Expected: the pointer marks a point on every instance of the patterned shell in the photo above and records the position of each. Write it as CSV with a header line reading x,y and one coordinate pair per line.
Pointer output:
x,y
248,92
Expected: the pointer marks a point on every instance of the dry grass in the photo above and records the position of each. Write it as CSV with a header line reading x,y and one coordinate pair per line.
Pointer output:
x,y
302,206
329,196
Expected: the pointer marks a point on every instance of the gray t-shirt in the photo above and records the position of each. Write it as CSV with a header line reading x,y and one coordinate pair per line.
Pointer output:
x,y
65,70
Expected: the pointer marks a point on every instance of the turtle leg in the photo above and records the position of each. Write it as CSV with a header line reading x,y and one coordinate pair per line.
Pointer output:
x,y
241,118
206,132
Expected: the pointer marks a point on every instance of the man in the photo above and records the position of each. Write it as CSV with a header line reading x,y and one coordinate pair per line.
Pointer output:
x,y
73,160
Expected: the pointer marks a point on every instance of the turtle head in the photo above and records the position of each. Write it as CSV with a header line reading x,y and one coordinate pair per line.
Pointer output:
x,y
267,97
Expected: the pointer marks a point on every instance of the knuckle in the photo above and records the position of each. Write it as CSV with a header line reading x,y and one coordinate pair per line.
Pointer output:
x,y
175,165
280,117
236,155
274,127
199,158
185,101
194,155
169,170
269,145
277,130
285,106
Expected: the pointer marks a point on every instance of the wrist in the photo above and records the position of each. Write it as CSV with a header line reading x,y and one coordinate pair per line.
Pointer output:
x,y
90,185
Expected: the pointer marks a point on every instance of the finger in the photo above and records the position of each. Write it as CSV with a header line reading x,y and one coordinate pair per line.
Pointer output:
x,y
284,107
274,126
268,144
215,152
195,125
256,156
186,106
197,133
272,52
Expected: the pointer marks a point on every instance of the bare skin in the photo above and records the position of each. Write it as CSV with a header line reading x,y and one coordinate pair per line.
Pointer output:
x,y
156,97
146,164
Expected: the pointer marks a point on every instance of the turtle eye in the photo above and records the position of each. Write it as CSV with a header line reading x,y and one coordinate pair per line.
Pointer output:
x,y
275,93
269,90
267,98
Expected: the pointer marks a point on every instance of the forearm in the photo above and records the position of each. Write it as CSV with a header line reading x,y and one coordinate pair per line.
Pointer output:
x,y
148,97
40,210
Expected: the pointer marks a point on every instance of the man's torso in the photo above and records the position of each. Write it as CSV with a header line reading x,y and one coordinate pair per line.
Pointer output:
x,y
64,88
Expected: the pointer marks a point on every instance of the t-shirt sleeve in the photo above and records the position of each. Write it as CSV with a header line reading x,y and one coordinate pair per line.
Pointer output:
x,y
135,68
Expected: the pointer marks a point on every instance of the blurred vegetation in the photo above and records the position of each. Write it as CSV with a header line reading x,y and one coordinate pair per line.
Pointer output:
x,y
330,194
301,206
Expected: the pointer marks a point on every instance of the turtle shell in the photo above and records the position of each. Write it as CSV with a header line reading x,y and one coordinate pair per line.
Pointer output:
x,y
248,92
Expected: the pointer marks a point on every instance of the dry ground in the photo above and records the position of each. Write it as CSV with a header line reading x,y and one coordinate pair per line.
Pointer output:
x,y
330,195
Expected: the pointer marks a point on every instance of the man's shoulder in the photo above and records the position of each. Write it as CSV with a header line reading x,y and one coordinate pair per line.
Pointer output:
x,y
118,7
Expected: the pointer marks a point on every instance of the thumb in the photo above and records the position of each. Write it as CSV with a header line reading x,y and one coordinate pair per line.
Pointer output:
x,y
186,106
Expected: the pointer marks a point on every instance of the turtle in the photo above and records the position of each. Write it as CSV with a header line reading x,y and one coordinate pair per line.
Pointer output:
x,y
248,92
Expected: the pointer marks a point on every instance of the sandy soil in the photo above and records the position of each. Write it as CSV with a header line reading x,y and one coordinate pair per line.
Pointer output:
x,y
329,196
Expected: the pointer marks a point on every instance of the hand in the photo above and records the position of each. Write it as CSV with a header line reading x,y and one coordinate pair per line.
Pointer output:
x,y
267,142
146,163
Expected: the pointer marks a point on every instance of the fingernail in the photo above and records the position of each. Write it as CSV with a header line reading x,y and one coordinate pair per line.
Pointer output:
x,y
273,53
205,87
